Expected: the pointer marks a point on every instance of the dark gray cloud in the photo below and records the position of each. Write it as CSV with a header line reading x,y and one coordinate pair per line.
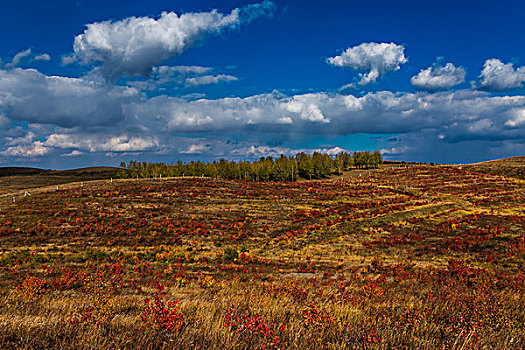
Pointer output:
x,y
28,95
148,125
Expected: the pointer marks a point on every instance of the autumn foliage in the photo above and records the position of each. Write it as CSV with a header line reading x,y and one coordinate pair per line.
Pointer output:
x,y
425,257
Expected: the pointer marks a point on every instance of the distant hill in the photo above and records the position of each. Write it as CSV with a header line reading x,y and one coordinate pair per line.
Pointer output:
x,y
14,179
511,167
95,173
81,172
15,171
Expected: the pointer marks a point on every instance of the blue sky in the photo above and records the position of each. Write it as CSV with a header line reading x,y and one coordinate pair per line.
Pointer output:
x,y
96,82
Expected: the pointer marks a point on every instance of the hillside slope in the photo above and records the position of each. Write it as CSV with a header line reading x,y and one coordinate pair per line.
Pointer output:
x,y
511,167
14,179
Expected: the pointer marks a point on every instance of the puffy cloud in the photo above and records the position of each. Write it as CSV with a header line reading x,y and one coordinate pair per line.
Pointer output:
x,y
29,150
517,119
18,58
164,75
101,143
68,59
79,115
133,46
463,113
376,58
74,153
497,76
196,149
267,151
21,140
180,115
210,79
28,95
194,96
395,151
267,112
307,108
244,149
439,77
168,71
42,57
25,146
178,77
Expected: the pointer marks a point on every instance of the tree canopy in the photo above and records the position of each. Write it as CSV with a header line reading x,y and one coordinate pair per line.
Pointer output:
x,y
283,168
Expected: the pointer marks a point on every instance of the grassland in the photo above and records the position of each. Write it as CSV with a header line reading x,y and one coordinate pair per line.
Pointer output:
x,y
425,257
18,180
510,167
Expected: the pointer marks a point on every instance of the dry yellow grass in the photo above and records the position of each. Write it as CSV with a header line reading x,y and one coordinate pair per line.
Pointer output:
x,y
357,264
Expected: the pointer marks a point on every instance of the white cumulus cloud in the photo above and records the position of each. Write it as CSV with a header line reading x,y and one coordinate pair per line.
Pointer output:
x,y
196,149
210,79
497,76
307,108
29,150
439,77
168,71
25,146
454,114
517,119
67,115
376,58
42,57
74,153
101,143
255,151
133,46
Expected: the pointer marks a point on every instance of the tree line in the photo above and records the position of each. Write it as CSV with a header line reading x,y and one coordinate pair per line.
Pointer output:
x,y
283,168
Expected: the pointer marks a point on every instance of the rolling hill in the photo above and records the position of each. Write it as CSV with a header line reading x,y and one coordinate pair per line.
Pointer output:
x,y
14,179
511,167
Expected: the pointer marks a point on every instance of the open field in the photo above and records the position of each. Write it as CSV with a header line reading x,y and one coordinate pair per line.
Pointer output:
x,y
425,257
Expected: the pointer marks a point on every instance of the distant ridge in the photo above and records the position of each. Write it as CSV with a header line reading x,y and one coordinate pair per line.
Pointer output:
x,y
511,167
27,171
13,179
15,171
517,159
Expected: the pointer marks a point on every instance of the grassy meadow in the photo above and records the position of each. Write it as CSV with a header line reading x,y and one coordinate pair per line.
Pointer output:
x,y
424,257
